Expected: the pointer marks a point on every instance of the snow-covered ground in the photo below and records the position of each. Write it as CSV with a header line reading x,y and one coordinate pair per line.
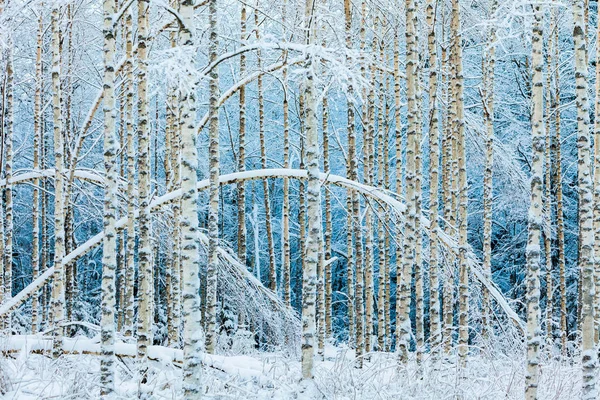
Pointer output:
x,y
24,375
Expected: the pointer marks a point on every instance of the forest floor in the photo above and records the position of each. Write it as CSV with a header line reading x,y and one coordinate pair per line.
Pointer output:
x,y
24,375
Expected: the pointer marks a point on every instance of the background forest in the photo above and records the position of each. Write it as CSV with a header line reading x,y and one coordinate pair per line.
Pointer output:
x,y
374,192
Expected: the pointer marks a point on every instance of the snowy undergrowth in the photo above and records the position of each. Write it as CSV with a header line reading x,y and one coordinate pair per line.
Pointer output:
x,y
274,376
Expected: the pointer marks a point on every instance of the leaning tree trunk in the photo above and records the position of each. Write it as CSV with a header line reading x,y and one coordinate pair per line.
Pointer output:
x,y
535,210
586,256
109,244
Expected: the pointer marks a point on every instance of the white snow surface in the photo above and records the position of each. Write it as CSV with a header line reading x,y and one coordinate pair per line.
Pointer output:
x,y
24,375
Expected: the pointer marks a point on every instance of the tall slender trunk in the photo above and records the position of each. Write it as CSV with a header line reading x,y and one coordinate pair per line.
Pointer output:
x,y
358,235
350,172
302,192
368,176
419,271
263,162
535,209
45,256
560,225
8,168
109,244
463,274
548,191
309,280
434,157
326,300
596,192
131,186
144,320
174,155
387,243
402,268
586,257
409,244
285,211
327,274
382,220
190,258
241,186
488,115
213,211
37,139
58,290
448,189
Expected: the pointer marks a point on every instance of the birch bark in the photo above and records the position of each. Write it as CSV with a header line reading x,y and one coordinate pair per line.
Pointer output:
x,y
109,245
585,217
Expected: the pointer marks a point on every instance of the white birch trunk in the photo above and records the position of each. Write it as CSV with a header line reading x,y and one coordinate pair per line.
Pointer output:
x,y
309,281
190,261
402,320
584,170
58,291
37,138
109,245
434,156
144,320
535,210
213,211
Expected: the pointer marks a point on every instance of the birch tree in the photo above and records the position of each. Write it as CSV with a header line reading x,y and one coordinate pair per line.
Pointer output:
x,y
489,64
144,318
434,155
58,291
584,180
535,208
409,244
213,213
37,138
190,258
109,246
462,198
309,281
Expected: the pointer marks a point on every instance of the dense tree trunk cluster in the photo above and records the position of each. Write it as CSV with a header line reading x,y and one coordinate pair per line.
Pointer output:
x,y
422,246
